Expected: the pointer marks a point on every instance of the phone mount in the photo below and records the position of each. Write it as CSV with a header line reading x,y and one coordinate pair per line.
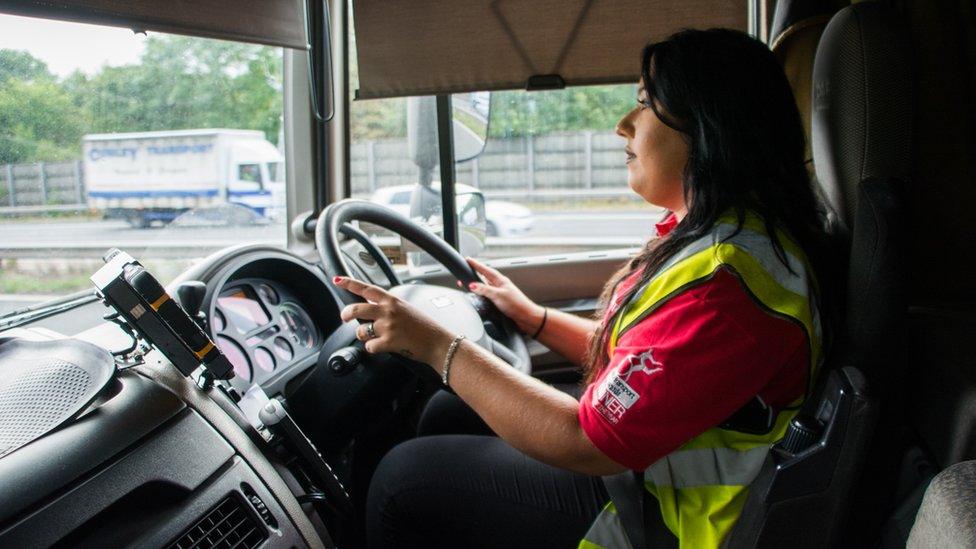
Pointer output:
x,y
145,307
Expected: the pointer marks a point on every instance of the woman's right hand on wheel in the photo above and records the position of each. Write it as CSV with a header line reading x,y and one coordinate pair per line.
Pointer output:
x,y
510,300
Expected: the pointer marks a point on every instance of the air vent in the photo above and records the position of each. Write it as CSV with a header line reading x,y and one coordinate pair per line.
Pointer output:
x,y
227,525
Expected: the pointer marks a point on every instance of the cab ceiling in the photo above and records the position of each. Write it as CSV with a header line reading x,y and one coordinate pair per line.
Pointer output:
x,y
425,47
272,22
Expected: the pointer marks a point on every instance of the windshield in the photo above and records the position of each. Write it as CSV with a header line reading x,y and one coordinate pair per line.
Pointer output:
x,y
162,145
276,172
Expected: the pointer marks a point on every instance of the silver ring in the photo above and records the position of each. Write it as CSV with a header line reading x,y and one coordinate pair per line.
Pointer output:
x,y
370,332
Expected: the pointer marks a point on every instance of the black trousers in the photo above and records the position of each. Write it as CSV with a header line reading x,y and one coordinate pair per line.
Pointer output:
x,y
458,485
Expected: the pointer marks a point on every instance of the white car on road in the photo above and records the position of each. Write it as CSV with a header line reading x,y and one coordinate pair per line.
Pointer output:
x,y
505,219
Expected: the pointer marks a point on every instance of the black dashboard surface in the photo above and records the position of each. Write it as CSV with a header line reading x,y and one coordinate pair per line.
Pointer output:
x,y
155,453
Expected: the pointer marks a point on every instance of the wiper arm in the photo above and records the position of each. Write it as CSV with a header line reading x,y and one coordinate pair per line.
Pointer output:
x,y
31,313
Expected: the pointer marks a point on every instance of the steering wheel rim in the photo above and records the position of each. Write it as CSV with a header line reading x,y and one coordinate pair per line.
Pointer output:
x,y
506,343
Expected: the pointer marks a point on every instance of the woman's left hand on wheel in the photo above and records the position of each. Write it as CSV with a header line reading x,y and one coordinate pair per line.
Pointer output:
x,y
397,326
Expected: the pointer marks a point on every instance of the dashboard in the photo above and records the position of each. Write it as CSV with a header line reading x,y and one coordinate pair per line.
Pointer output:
x,y
158,454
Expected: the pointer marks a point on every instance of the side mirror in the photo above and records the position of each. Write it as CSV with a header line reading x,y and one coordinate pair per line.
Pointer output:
x,y
472,223
470,112
422,135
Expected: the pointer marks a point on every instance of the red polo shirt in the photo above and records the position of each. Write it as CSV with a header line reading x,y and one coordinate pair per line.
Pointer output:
x,y
690,365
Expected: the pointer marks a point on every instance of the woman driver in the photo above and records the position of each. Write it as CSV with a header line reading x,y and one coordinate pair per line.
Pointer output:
x,y
713,324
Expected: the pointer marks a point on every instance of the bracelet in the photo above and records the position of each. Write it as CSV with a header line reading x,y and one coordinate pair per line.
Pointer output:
x,y
450,356
545,316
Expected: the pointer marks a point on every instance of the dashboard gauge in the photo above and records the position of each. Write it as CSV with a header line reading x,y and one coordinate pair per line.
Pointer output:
x,y
264,359
299,325
283,348
268,294
244,311
236,356
258,338
218,322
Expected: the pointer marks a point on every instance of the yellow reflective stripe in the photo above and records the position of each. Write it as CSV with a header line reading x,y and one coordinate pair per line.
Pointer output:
x,y
761,249
751,237
703,516
754,223
607,531
771,293
692,268
707,467
688,272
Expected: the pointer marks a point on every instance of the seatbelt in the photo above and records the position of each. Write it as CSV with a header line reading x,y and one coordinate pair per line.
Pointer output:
x,y
638,512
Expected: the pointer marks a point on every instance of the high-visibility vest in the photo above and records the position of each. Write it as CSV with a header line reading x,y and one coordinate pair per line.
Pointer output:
x,y
701,487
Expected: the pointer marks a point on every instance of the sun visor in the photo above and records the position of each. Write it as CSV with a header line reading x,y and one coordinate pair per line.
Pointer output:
x,y
427,47
272,22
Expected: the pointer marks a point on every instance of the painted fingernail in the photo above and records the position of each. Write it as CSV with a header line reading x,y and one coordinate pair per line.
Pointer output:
x,y
473,286
336,279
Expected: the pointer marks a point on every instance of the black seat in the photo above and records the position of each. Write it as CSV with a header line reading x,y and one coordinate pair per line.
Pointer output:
x,y
861,139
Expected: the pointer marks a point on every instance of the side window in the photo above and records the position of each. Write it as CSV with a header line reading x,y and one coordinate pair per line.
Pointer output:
x,y
249,172
276,172
554,175
106,133
553,171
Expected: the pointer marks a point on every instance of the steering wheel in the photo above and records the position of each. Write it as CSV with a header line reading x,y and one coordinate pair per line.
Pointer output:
x,y
460,311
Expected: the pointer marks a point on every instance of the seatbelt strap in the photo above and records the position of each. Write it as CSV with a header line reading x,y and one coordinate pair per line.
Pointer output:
x,y
638,512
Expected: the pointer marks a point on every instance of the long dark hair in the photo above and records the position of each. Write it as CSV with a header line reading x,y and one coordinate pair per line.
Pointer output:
x,y
726,93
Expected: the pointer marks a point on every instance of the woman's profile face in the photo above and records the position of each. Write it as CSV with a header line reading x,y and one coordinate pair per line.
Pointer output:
x,y
656,156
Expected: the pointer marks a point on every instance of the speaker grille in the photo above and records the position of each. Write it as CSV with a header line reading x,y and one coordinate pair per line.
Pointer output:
x,y
227,525
36,397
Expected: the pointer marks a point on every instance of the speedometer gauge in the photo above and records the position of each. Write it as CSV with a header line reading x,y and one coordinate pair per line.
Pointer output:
x,y
218,321
268,294
300,326
236,356
264,359
283,348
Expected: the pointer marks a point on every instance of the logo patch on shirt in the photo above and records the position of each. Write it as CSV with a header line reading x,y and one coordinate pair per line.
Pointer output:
x,y
615,396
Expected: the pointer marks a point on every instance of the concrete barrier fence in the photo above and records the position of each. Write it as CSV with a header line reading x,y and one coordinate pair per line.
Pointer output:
x,y
42,184
587,161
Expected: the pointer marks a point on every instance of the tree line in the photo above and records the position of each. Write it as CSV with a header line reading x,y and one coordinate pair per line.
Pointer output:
x,y
179,83
183,83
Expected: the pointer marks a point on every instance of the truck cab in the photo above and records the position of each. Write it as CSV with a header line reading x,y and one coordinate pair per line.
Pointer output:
x,y
270,145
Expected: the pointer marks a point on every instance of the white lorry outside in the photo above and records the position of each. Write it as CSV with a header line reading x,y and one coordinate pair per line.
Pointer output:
x,y
156,176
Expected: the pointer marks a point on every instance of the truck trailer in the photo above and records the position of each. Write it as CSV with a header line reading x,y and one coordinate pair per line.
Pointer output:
x,y
156,176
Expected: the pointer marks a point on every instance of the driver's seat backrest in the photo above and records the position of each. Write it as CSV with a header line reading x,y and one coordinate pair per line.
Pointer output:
x,y
861,138
862,143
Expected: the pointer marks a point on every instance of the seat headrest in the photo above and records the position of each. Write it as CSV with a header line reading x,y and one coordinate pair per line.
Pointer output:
x,y
792,16
862,116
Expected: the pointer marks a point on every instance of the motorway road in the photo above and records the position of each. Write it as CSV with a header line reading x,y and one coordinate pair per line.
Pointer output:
x,y
633,226
13,234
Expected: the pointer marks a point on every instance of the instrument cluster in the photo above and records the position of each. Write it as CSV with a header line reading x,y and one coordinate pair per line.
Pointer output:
x,y
262,328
